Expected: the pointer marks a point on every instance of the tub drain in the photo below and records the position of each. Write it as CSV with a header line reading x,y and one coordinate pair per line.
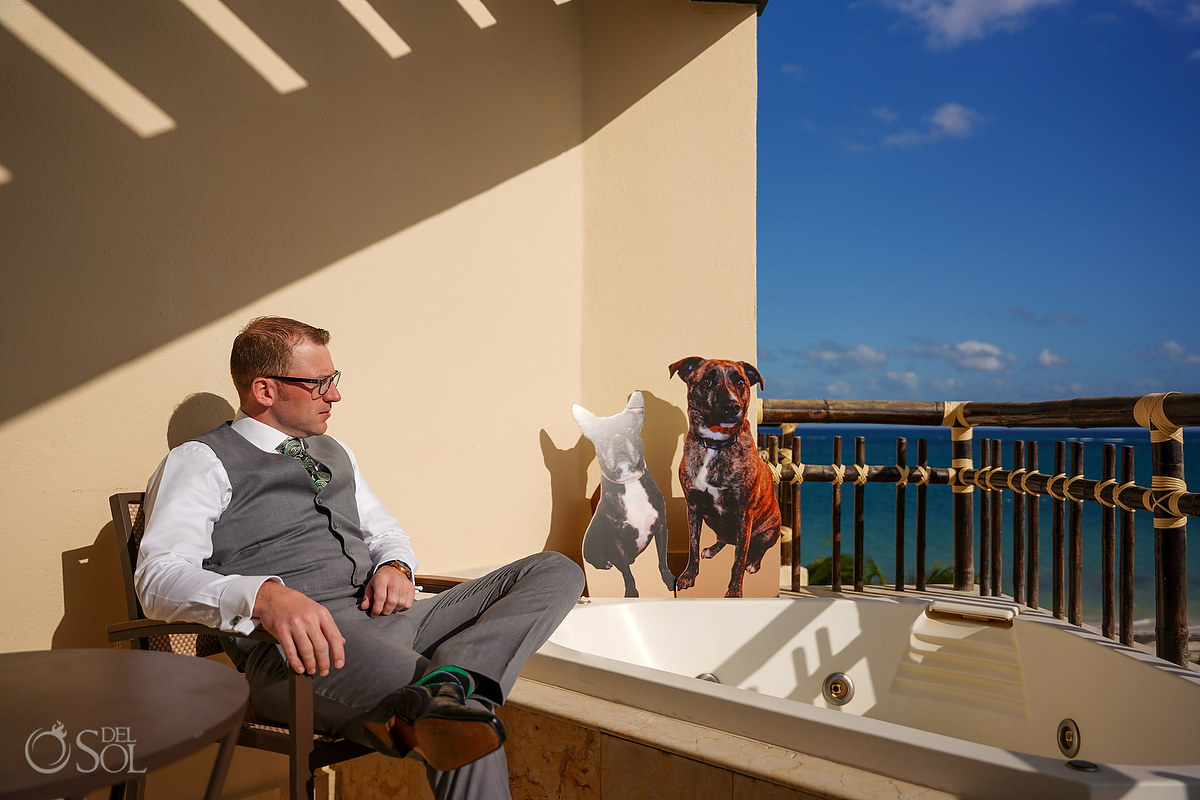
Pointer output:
x,y
838,689
1068,738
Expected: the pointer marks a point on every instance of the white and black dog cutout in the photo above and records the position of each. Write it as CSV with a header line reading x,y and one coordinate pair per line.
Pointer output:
x,y
631,512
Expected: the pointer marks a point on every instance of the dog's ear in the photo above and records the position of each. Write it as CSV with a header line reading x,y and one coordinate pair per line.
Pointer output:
x,y
584,419
754,375
685,367
636,404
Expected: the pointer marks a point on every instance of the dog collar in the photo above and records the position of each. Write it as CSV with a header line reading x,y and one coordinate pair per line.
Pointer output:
x,y
713,444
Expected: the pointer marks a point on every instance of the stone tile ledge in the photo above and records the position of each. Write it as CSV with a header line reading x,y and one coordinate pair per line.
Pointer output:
x,y
796,771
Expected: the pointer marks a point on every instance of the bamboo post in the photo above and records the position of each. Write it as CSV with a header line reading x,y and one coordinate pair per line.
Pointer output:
x,y
985,518
1018,522
1075,548
836,517
902,466
798,479
1108,543
923,462
1127,531
1033,565
1170,528
997,497
860,490
964,536
1058,534
773,445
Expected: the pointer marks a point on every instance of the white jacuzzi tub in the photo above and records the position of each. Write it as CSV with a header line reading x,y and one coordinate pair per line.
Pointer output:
x,y
972,704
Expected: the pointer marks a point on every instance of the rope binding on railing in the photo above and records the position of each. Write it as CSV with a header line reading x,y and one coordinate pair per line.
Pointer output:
x,y
953,417
1100,487
1148,412
860,479
839,473
1067,488
1117,496
1165,491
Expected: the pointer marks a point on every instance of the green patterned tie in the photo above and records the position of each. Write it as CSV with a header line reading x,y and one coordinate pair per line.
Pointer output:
x,y
295,449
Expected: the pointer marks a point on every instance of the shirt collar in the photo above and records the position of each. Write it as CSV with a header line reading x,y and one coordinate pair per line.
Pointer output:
x,y
259,434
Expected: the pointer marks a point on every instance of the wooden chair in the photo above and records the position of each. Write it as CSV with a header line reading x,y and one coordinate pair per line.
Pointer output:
x,y
307,750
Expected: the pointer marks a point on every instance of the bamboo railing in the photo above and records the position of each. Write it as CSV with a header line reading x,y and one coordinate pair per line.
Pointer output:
x,y
1163,415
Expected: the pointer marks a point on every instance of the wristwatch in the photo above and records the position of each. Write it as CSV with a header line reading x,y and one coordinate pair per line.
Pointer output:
x,y
398,564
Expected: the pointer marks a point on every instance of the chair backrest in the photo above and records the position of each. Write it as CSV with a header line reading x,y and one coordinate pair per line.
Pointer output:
x,y
129,522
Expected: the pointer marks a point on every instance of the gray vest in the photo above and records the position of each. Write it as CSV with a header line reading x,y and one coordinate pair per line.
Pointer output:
x,y
277,523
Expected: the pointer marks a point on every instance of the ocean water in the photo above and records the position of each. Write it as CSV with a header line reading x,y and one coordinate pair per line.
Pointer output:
x,y
880,506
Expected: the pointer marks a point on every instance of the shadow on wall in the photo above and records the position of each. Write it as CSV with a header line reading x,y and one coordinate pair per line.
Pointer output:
x,y
244,187
93,592
665,426
569,512
198,413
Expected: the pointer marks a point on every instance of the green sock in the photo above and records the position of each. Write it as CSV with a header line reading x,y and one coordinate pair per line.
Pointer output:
x,y
446,674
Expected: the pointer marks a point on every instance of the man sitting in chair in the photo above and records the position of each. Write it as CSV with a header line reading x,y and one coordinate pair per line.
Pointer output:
x,y
268,521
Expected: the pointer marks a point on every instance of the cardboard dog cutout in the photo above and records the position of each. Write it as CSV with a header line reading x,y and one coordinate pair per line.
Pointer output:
x,y
631,513
727,485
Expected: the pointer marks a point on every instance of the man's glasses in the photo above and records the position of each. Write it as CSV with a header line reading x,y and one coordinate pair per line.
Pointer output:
x,y
323,384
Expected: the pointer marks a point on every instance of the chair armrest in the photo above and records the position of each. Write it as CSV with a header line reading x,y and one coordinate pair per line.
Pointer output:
x,y
433,584
138,628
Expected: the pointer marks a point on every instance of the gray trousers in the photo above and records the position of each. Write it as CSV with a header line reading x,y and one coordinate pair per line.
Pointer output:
x,y
489,626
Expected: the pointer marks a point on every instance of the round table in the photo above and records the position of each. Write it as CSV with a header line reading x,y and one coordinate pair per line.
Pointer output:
x,y
77,720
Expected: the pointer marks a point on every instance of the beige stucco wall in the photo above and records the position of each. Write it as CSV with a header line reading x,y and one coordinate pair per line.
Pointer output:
x,y
508,220
512,218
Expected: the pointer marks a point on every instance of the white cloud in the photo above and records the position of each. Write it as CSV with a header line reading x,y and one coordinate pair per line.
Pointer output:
x,y
834,357
1173,352
904,380
1050,359
794,71
950,120
884,113
969,355
1171,12
955,120
946,386
949,23
852,146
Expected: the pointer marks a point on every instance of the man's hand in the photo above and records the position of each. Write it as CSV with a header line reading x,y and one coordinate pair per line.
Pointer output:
x,y
387,591
305,629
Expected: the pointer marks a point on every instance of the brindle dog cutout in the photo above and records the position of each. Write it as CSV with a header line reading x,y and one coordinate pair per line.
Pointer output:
x,y
725,481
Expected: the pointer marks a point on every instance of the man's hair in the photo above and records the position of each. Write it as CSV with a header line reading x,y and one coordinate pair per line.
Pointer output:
x,y
264,347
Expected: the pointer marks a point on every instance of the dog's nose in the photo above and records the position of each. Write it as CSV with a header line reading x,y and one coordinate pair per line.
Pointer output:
x,y
729,407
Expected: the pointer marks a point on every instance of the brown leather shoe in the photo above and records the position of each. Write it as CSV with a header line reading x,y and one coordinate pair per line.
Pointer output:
x,y
437,725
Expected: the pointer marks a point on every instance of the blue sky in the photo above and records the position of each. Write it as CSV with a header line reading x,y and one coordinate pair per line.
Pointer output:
x,y
979,199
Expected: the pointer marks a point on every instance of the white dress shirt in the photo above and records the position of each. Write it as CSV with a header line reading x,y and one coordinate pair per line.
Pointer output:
x,y
186,496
